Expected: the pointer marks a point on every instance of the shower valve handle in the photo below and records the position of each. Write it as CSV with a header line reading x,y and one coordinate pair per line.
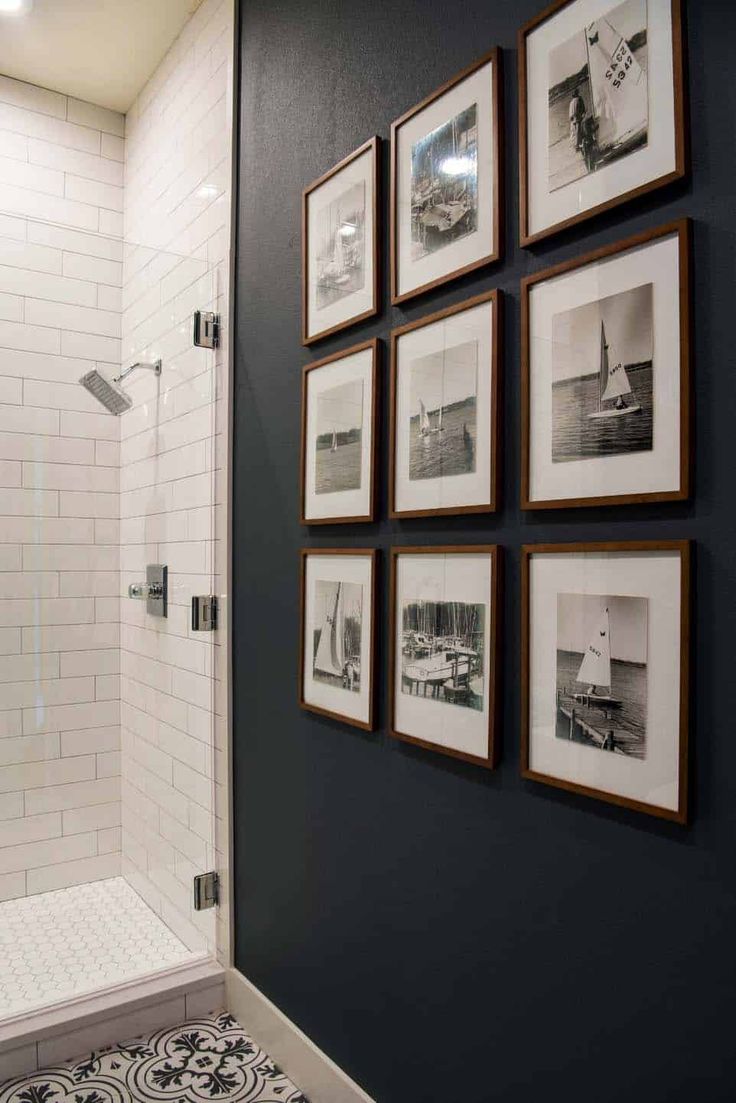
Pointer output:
x,y
145,589
154,591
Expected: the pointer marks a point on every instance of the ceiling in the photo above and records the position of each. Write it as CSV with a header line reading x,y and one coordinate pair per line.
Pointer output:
x,y
102,51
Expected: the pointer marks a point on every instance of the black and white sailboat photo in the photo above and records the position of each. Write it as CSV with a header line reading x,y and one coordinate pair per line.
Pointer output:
x,y
337,637
598,94
602,377
602,671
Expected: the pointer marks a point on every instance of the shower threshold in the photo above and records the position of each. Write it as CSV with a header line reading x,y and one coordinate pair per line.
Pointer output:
x,y
75,941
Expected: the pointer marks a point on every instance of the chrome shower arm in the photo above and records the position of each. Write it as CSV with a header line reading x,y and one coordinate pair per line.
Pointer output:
x,y
155,367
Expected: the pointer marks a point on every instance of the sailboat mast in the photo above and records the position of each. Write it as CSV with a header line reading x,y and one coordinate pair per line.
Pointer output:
x,y
590,74
601,381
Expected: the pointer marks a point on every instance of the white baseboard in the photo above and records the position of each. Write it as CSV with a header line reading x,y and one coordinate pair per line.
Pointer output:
x,y
321,1080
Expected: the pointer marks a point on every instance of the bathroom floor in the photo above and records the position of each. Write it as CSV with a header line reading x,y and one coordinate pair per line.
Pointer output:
x,y
208,1058
76,940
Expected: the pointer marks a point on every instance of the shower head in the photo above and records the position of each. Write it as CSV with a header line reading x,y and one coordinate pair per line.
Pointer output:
x,y
113,398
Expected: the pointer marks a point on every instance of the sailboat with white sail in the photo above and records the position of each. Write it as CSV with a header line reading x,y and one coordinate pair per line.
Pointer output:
x,y
333,443
425,427
330,656
595,669
613,385
619,91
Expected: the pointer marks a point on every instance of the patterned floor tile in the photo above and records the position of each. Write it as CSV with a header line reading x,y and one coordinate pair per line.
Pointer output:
x,y
76,940
206,1059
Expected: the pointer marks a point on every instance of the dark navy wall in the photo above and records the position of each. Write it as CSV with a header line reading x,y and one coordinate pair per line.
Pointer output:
x,y
444,933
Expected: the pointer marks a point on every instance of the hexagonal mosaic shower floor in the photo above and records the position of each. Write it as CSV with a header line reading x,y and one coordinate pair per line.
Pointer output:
x,y
77,940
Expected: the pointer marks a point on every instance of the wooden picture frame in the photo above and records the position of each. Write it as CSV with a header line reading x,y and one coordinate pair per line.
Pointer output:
x,y
368,464
495,300
341,555
681,549
495,251
680,150
489,759
372,305
681,427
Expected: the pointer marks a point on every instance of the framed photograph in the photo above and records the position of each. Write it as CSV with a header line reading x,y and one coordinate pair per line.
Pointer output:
x,y
340,268
444,411
338,452
338,626
605,375
605,640
443,662
446,182
601,108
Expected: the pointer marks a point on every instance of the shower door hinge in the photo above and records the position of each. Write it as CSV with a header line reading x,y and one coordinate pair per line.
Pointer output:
x,y
204,613
206,330
206,891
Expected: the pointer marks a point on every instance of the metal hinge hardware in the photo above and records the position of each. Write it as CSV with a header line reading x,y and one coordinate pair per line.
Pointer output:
x,y
206,329
206,890
204,613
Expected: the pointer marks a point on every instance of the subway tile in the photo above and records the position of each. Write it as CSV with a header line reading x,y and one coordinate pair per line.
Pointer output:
x,y
23,175
108,764
28,668
28,503
20,584
75,556
11,473
40,530
107,687
50,367
30,256
90,584
32,97
111,222
12,227
11,307
30,829
83,504
17,1061
19,612
13,145
11,806
95,817
107,609
11,392
90,741
28,446
79,872
39,698
184,840
97,426
29,748
193,784
82,319
99,118
113,147
90,165
84,190
29,338
39,775
33,855
38,287
109,840
91,714
64,476
71,637
59,396
107,453
109,298
17,200
107,531
81,794
11,720
97,269
36,125
80,664
75,241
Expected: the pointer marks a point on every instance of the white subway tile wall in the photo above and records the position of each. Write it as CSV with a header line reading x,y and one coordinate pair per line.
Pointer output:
x,y
172,498
113,723
59,473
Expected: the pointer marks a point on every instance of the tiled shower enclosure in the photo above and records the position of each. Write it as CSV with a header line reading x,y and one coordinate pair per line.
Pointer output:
x,y
114,229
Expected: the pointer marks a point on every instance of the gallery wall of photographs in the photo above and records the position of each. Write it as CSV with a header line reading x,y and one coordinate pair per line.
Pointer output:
x,y
605,413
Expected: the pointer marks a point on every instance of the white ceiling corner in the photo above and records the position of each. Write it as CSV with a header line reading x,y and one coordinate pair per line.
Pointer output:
x,y
101,51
